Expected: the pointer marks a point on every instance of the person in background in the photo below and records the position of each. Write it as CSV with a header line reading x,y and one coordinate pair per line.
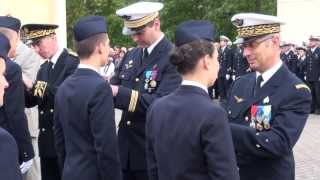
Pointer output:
x,y
192,139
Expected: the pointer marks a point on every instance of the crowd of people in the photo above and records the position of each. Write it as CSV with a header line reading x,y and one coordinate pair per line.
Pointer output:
x,y
57,118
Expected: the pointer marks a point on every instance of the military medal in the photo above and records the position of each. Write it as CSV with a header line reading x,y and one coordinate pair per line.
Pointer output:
x,y
153,83
266,100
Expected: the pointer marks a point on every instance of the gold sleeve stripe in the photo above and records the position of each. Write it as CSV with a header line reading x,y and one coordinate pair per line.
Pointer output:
x,y
133,101
302,86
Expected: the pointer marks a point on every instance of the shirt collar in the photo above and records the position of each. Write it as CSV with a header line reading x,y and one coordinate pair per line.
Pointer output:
x,y
86,66
55,57
269,73
153,45
194,83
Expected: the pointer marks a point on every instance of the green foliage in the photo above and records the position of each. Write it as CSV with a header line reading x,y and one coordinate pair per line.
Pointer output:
x,y
174,12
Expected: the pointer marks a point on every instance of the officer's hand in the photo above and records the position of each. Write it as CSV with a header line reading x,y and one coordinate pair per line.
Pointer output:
x,y
25,166
227,76
27,82
115,90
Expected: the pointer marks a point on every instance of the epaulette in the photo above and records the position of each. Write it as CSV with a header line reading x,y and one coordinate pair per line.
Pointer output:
x,y
72,53
302,86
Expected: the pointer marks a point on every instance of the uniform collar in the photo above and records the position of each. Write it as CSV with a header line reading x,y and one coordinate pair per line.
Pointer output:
x,y
269,73
86,66
194,83
153,45
55,57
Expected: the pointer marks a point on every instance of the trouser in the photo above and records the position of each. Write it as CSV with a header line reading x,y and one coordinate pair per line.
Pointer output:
x,y
135,175
34,173
50,168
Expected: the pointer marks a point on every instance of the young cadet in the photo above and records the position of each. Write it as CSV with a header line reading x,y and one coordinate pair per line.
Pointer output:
x,y
191,138
12,116
268,108
143,75
85,132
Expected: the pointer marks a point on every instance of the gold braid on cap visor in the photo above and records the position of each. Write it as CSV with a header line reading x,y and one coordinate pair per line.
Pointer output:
x,y
37,33
140,22
251,31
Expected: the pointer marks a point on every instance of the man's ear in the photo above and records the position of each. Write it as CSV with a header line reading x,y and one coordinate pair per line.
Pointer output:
x,y
206,61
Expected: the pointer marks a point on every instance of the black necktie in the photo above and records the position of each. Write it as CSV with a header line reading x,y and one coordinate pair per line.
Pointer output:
x,y
50,68
145,53
258,85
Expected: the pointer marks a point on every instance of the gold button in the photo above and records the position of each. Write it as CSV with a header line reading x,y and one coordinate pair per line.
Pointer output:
x,y
267,140
41,112
128,123
257,134
122,75
137,79
229,112
51,110
246,118
43,129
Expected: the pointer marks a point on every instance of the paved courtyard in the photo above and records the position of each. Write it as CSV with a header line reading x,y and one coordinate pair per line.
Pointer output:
x,y
307,150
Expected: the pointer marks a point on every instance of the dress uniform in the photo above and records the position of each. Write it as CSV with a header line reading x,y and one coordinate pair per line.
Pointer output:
x,y
185,129
9,164
301,64
290,59
225,71
12,116
267,112
312,77
143,76
85,131
240,64
50,75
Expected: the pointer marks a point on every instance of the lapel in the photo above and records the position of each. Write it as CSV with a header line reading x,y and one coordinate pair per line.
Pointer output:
x,y
155,55
269,88
58,67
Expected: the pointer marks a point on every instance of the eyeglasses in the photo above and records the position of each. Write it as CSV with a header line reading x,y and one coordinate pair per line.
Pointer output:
x,y
255,43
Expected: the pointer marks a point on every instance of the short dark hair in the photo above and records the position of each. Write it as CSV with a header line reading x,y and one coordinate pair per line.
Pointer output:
x,y
86,47
186,57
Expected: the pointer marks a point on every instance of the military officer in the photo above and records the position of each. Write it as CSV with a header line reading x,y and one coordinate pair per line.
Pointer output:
x,y
186,142
85,132
59,65
289,57
144,74
312,70
240,64
12,116
301,62
267,108
225,71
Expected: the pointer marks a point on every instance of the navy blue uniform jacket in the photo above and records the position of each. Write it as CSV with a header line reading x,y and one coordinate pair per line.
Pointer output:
x,y
85,132
9,165
188,137
267,154
141,82
12,116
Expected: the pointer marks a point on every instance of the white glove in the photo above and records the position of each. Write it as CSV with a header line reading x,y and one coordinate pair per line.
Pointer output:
x,y
27,82
227,76
25,166
305,78
234,77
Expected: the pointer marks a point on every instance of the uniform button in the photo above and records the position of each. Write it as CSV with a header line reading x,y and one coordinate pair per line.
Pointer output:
x,y
51,110
258,146
137,79
122,76
267,140
128,123
257,134
43,129
229,112
41,112
246,118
